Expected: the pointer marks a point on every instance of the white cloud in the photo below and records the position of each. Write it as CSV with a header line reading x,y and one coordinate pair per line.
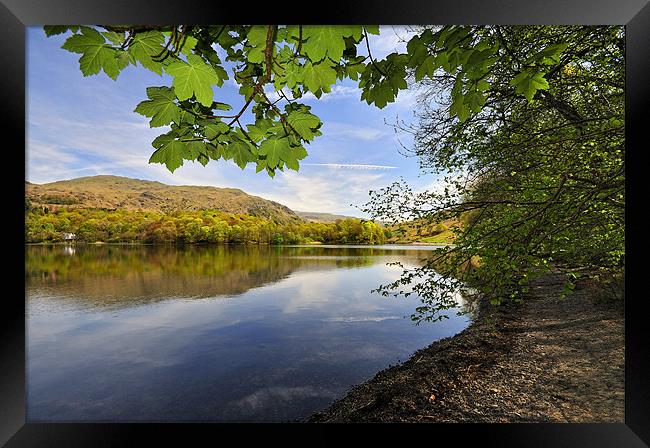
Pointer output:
x,y
391,39
338,130
352,166
333,191
338,92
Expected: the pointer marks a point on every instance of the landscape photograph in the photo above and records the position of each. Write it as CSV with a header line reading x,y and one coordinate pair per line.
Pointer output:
x,y
325,223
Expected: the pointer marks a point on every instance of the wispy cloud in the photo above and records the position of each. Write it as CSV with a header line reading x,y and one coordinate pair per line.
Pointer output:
x,y
333,191
338,92
352,166
338,130
391,39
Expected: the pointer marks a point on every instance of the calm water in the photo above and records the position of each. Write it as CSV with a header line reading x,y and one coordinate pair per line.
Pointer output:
x,y
211,333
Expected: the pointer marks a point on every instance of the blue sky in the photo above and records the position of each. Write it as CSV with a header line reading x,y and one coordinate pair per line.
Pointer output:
x,y
84,126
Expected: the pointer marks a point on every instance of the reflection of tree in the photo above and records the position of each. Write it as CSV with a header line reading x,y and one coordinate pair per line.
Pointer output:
x,y
127,275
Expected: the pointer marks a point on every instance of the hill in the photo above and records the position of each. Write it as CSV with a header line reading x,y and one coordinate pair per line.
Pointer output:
x,y
115,192
422,231
322,217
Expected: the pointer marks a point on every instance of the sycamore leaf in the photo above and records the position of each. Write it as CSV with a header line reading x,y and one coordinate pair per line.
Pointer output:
x,y
215,152
292,162
115,38
304,123
239,151
417,48
188,44
275,149
96,55
51,30
327,40
145,46
459,108
380,94
212,129
295,154
170,152
528,83
318,76
194,77
257,40
299,152
160,106
256,132
371,29
426,68
549,55
203,159
293,74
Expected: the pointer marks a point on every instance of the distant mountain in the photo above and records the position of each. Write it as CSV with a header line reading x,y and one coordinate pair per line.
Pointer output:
x,y
113,192
322,217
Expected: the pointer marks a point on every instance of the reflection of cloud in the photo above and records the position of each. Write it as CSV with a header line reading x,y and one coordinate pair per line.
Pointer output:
x,y
263,398
322,290
362,319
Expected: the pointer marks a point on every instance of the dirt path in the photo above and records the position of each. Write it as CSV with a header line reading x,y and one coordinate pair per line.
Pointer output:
x,y
548,360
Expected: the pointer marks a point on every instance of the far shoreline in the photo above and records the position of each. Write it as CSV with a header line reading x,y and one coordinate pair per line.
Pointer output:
x,y
179,244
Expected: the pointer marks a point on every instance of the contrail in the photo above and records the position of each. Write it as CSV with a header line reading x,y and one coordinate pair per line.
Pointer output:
x,y
352,166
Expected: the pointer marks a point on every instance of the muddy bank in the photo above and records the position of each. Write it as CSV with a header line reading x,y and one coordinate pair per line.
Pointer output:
x,y
548,360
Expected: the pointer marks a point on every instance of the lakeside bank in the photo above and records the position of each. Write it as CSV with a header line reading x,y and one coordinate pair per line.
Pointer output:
x,y
547,360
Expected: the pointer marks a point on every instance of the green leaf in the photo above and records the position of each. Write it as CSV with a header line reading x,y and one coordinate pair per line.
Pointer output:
x,y
417,48
304,123
160,106
326,40
257,40
51,30
293,73
549,55
275,149
239,151
215,152
171,152
212,129
299,152
319,76
115,38
372,29
380,94
426,68
96,54
145,46
188,44
528,83
256,133
194,77
292,162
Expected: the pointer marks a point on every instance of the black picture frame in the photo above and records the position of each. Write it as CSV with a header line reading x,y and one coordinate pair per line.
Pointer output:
x,y
16,15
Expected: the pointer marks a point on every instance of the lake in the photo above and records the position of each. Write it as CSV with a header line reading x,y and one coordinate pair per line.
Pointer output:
x,y
253,333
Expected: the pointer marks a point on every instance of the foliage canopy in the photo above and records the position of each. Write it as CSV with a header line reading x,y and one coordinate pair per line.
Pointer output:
x,y
275,66
527,122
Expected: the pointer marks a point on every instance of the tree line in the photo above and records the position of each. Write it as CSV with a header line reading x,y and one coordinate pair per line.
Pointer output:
x,y
191,227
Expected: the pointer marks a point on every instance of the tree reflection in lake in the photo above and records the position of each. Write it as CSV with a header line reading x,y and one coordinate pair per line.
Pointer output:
x,y
250,333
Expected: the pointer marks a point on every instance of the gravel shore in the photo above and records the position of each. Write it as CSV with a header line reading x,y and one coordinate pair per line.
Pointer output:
x,y
547,360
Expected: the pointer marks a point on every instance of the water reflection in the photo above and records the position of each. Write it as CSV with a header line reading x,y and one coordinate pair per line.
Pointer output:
x,y
150,333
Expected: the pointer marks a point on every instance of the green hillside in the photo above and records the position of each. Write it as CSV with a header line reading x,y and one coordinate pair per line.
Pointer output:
x,y
123,193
